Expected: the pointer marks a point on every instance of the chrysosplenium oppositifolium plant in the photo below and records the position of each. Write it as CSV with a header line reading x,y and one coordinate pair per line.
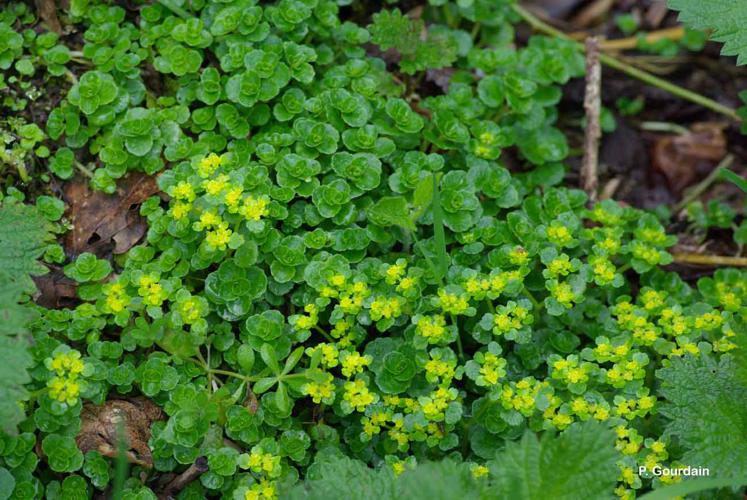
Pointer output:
x,y
342,279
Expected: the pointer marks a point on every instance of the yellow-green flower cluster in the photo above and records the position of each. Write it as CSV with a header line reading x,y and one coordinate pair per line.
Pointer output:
x,y
67,367
454,302
512,316
570,370
116,298
353,363
307,321
321,392
439,370
432,328
223,195
560,235
383,307
357,396
522,394
152,292
434,405
265,465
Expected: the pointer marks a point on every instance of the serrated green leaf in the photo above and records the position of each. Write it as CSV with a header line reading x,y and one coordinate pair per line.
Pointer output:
x,y
725,18
580,463
24,235
703,398
14,374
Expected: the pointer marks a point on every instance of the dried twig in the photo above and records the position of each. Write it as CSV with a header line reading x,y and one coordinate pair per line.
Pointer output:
x,y
182,480
709,260
675,33
592,12
592,107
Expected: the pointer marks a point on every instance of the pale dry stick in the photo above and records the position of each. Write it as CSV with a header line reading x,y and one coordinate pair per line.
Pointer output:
x,y
610,188
592,12
592,107
709,260
675,33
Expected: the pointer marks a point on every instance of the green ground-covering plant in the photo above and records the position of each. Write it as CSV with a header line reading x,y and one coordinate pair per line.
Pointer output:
x,y
343,291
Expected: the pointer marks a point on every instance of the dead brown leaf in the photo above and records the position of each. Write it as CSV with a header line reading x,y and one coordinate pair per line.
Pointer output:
x,y
47,10
55,290
100,219
553,9
100,425
685,158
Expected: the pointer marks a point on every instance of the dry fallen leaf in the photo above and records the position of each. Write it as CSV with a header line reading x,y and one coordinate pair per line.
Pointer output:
x,y
100,219
685,158
47,10
55,290
100,424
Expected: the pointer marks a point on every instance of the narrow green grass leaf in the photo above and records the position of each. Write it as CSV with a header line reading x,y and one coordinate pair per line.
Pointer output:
x,y
693,486
438,232
735,179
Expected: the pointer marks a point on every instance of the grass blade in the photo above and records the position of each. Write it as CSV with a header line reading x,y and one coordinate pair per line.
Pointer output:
x,y
692,486
735,179
121,465
439,235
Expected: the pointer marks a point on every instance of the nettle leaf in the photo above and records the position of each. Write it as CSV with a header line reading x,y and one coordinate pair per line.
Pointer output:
x,y
703,403
24,235
14,374
580,463
333,476
725,18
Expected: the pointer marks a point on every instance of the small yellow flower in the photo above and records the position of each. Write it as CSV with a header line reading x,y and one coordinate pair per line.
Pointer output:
x,y
254,209
215,187
232,198
358,396
395,272
431,328
337,280
320,391
407,283
208,165
180,210
208,220
383,307
559,235
218,239
479,471
64,390
451,303
398,467
353,363
183,191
